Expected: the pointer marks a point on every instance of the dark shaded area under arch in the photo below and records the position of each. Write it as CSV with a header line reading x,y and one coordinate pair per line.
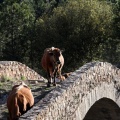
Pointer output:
x,y
103,109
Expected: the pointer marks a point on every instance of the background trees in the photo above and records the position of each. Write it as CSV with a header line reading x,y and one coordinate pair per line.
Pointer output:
x,y
81,27
112,46
16,20
87,30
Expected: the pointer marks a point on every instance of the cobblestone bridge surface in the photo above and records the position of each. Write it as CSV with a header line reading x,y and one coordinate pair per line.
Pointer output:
x,y
72,99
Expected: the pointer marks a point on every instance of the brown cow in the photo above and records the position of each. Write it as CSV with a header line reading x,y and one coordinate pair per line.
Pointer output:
x,y
52,61
19,101
64,75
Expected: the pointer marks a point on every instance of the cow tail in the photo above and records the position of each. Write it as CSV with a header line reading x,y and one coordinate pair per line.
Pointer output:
x,y
24,103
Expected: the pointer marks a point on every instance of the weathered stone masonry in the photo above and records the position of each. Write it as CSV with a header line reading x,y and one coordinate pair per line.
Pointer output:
x,y
74,97
78,93
18,71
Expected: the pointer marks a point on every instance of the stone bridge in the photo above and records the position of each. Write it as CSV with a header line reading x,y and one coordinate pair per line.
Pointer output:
x,y
90,93
16,70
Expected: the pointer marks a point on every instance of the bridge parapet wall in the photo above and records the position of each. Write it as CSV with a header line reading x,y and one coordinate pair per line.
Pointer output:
x,y
70,100
16,70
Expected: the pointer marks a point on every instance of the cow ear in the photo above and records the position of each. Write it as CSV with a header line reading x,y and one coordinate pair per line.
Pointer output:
x,y
51,53
62,50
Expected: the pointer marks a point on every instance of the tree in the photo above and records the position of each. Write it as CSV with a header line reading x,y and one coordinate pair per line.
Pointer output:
x,y
84,28
16,18
112,46
81,27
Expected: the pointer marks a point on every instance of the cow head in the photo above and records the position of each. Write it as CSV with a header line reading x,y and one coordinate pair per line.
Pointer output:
x,y
55,54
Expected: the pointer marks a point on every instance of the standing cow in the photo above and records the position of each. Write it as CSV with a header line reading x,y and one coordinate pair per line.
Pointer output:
x,y
52,61
19,101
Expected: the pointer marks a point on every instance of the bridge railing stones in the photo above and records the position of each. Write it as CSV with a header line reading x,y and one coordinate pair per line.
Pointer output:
x,y
63,101
16,70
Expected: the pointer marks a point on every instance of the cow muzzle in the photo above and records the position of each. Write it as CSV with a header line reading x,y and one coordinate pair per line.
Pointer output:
x,y
58,62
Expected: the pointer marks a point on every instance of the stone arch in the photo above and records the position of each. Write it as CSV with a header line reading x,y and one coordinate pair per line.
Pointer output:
x,y
103,109
78,93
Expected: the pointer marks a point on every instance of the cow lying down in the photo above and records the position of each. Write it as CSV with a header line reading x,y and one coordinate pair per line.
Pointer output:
x,y
52,62
19,101
64,75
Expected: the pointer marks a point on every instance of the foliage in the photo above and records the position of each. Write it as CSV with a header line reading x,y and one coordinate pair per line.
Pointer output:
x,y
111,51
87,29
15,20
5,79
23,78
80,27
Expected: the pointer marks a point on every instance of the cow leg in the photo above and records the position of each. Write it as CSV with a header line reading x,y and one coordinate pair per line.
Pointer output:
x,y
49,80
24,104
10,115
54,82
59,73
16,113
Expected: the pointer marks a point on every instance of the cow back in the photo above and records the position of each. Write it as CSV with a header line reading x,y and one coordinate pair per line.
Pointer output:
x,y
19,101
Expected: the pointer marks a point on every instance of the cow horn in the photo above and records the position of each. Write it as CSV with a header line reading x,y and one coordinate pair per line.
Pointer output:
x,y
52,48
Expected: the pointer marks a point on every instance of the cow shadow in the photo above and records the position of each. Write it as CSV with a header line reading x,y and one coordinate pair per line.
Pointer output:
x,y
3,107
4,116
3,96
41,92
